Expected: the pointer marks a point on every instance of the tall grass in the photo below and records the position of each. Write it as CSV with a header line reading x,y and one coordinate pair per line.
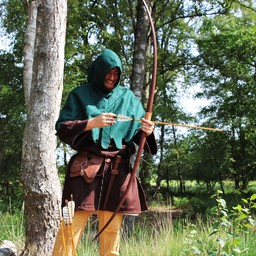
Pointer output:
x,y
12,227
181,237
151,242
223,232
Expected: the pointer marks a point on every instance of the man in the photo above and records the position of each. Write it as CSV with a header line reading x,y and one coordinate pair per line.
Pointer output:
x,y
98,174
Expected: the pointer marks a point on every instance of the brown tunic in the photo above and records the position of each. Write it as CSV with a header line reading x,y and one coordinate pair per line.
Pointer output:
x,y
91,196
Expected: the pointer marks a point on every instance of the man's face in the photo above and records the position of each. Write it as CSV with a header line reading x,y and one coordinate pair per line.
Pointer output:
x,y
111,78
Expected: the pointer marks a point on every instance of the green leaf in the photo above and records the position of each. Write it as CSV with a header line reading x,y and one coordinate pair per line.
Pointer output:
x,y
245,200
196,250
214,232
251,221
213,252
238,207
222,203
236,241
253,197
242,216
248,226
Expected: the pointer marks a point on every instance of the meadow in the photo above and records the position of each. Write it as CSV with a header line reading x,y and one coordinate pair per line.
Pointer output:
x,y
178,229
221,232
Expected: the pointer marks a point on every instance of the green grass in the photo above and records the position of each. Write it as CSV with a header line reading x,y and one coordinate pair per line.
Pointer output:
x,y
12,228
223,232
195,234
178,238
174,240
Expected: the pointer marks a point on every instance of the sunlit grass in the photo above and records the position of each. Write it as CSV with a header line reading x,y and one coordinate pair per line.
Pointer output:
x,y
181,237
12,228
162,236
149,239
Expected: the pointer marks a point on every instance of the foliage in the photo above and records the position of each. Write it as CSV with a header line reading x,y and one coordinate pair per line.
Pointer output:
x,y
205,43
229,226
207,158
226,52
12,125
12,111
90,29
225,232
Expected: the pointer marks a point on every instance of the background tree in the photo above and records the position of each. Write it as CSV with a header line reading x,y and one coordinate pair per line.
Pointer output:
x,y
12,123
208,153
43,89
11,108
141,49
173,23
227,53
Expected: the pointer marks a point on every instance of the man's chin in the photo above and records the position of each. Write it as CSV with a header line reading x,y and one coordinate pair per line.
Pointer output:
x,y
109,88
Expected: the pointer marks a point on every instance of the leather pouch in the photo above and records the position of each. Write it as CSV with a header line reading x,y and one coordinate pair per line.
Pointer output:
x,y
87,165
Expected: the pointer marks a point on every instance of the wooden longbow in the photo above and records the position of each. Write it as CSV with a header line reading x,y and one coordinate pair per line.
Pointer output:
x,y
147,116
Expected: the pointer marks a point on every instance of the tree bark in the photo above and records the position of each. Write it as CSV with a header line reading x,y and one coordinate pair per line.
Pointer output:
x,y
28,50
43,97
138,77
161,157
140,50
179,168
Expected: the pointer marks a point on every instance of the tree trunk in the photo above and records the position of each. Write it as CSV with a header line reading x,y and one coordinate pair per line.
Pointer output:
x,y
43,97
159,167
140,50
138,78
28,50
179,168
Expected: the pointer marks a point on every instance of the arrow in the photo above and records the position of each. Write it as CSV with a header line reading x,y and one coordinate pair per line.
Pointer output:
x,y
122,118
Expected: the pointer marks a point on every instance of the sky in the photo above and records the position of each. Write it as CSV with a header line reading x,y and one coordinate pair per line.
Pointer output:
x,y
4,41
189,103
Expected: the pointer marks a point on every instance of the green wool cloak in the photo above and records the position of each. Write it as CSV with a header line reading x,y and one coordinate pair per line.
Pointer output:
x,y
92,99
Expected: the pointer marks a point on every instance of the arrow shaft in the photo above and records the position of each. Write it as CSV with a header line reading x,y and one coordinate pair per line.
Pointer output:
x,y
124,118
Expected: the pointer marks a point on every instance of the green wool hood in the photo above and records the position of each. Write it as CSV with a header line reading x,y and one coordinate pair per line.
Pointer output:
x,y
106,61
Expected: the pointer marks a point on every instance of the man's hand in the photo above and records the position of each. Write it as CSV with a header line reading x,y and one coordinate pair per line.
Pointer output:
x,y
147,126
103,120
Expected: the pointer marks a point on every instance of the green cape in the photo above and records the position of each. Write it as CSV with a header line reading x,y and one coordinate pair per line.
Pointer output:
x,y
90,100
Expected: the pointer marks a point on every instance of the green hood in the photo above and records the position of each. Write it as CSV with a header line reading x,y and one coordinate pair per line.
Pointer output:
x,y
97,72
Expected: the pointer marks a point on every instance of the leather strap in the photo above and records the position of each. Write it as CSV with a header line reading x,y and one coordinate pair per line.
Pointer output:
x,y
114,172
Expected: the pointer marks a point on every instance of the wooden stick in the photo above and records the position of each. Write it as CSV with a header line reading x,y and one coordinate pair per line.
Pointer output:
x,y
62,228
72,231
